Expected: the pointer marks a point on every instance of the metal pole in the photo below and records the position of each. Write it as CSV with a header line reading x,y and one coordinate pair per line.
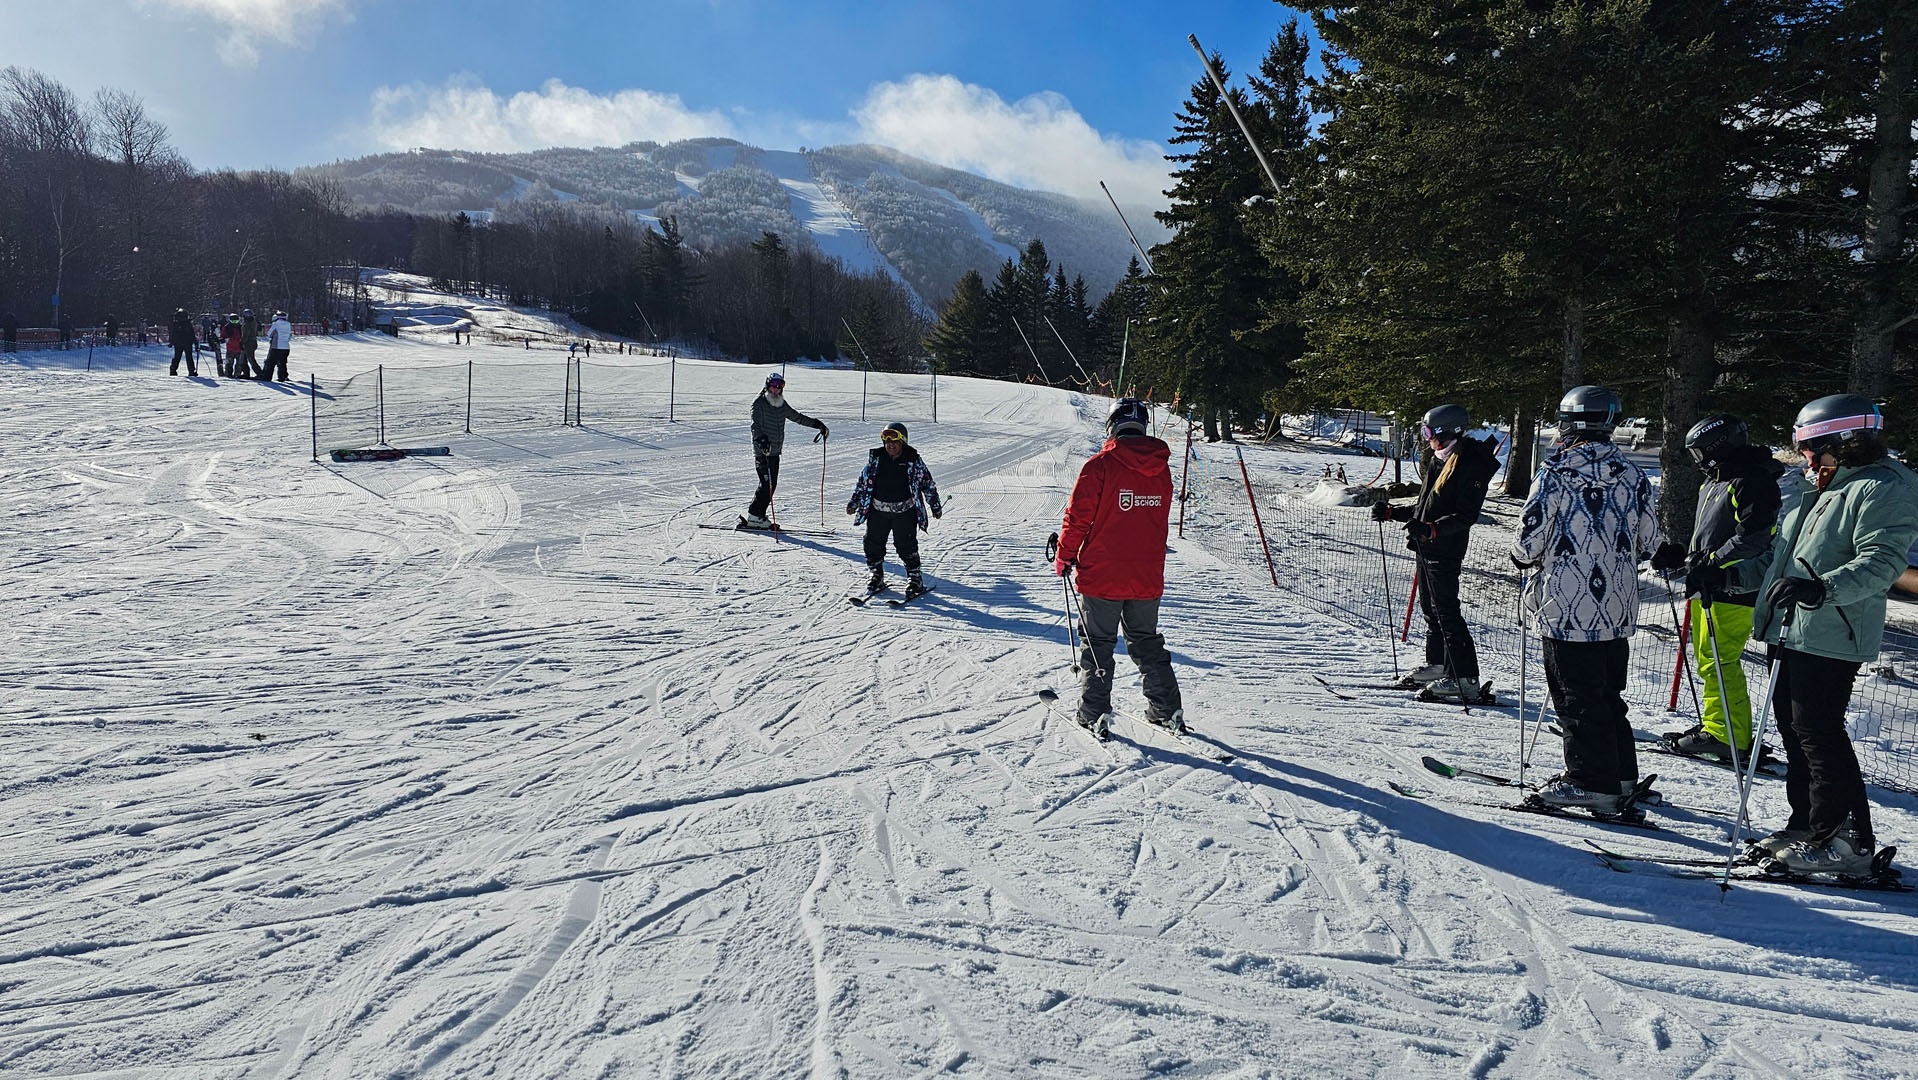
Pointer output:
x,y
1684,636
1411,598
1124,341
1143,257
866,374
935,393
1385,579
313,398
1030,349
469,397
1068,349
379,385
1724,702
1524,668
1758,740
1255,516
822,483
672,386
1243,130
1185,470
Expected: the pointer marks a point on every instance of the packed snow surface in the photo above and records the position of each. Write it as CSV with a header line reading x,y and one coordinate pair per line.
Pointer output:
x,y
497,765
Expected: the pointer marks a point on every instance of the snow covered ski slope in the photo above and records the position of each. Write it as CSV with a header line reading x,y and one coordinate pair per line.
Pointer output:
x,y
495,764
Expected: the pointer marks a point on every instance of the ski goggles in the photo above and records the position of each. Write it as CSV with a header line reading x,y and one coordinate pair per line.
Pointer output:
x,y
890,435
1429,433
1809,435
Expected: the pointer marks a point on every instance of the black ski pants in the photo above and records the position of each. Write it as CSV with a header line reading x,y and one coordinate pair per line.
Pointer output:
x,y
1822,780
767,465
1100,622
903,528
1447,640
183,352
1587,683
275,358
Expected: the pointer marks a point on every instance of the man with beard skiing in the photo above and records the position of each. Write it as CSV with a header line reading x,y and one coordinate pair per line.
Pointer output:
x,y
1827,574
770,413
892,498
1591,520
1737,514
1113,543
1437,528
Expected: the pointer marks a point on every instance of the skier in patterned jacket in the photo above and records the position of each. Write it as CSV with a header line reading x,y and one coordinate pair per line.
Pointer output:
x,y
892,498
1591,520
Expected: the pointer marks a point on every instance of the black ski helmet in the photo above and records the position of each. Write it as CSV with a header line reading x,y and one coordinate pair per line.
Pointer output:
x,y
1711,437
1839,422
1445,422
1589,412
1129,416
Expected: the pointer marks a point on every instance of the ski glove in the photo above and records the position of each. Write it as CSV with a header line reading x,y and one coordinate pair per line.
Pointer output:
x,y
1060,566
1669,556
1805,592
1704,579
824,432
1381,511
1418,532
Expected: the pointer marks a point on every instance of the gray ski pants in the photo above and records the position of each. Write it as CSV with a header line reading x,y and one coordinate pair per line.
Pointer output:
x,y
1100,621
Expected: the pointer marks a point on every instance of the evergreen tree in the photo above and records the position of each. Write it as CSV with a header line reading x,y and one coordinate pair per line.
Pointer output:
x,y
957,341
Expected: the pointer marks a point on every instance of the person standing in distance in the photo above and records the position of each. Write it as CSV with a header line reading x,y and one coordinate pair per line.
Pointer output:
x,y
1591,520
279,342
179,334
1737,514
894,494
771,410
1830,567
1437,528
1113,544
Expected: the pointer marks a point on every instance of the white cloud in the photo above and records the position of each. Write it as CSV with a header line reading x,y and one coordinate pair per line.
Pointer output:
x,y
289,22
466,116
1038,141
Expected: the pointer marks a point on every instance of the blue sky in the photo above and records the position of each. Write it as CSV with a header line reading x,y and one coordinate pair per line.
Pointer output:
x,y
1042,94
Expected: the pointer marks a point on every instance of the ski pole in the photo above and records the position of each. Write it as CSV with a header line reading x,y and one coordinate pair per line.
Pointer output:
x,y
1724,704
1758,740
1524,666
1421,569
822,482
1672,602
1072,634
1385,577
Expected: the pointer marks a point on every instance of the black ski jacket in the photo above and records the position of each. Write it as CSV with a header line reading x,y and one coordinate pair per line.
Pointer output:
x,y
1738,509
1451,497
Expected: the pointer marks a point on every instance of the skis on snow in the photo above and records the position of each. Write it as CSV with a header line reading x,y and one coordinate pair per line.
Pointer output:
x,y
1532,804
1882,877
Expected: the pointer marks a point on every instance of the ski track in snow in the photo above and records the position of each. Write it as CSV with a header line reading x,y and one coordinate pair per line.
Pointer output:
x,y
496,765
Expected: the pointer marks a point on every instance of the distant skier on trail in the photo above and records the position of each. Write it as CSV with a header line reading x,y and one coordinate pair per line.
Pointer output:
x,y
235,334
1737,514
1830,567
1113,543
180,335
279,342
1591,520
892,497
1438,527
770,413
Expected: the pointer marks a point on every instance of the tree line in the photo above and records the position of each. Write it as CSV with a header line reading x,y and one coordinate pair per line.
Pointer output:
x,y
1706,205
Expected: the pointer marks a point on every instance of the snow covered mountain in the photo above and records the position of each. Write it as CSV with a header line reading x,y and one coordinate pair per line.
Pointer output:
x,y
870,206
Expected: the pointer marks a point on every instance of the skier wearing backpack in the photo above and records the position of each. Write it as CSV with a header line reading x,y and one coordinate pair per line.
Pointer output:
x,y
1438,527
1828,571
1591,520
771,410
1737,514
892,498
1113,543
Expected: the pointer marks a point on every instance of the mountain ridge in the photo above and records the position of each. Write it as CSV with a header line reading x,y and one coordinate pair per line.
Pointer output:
x,y
870,206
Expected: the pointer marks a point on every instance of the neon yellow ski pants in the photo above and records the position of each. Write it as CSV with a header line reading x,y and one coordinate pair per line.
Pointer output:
x,y
1734,623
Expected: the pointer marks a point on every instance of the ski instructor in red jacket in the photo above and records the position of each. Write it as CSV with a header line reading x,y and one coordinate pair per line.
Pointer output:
x,y
1113,541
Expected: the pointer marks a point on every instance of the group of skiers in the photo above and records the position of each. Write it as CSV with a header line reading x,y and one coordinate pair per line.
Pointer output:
x,y
235,342
1804,567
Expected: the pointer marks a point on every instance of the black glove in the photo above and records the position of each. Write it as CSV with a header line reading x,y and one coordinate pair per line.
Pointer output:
x,y
1704,579
1381,511
1669,556
1805,592
1419,532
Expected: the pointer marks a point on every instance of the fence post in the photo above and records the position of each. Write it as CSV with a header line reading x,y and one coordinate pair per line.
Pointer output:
x,y
469,397
935,393
1267,548
672,384
313,400
379,394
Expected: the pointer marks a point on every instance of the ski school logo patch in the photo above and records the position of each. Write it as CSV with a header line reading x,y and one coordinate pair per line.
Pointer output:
x,y
1127,500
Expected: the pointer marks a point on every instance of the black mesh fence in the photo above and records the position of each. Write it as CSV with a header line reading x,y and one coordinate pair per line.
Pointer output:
x,y
1336,557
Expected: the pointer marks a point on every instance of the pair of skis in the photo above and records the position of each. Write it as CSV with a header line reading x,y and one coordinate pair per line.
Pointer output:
x,y
1485,699
1181,738
775,531
859,599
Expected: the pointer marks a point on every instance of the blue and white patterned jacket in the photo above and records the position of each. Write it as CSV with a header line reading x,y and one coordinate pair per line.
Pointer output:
x,y
918,479
1592,518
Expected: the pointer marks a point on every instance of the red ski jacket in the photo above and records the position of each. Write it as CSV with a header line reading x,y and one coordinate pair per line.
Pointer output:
x,y
1116,520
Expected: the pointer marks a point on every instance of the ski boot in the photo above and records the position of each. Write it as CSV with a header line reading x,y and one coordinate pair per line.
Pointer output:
x,y
1430,673
1173,722
1100,726
915,585
754,523
1560,793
